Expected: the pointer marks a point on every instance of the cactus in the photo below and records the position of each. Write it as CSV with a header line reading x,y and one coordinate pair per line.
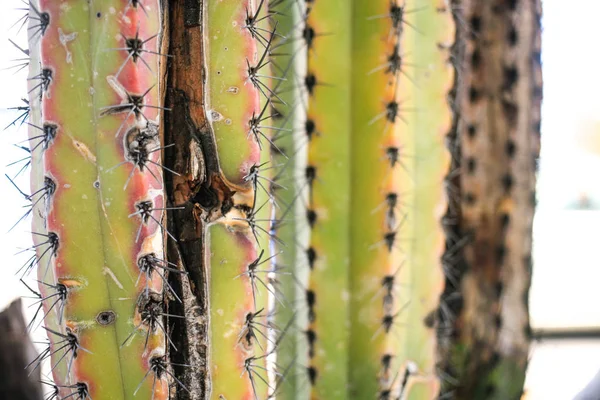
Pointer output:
x,y
103,257
400,82
327,184
254,199
484,308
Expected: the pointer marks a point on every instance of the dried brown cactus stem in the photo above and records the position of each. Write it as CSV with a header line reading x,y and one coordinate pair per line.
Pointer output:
x,y
499,99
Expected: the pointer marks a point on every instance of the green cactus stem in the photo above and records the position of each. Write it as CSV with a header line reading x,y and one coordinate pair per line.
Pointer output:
x,y
227,250
236,63
285,114
400,81
326,181
185,127
484,305
97,147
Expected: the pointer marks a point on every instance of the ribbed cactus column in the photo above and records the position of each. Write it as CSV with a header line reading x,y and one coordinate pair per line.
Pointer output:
x,y
98,145
286,112
327,204
400,80
488,257
39,209
238,42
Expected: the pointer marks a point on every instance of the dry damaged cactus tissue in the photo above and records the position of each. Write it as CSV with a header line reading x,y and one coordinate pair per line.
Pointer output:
x,y
291,199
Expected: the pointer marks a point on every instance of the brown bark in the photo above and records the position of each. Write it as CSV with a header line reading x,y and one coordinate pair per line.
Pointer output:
x,y
16,352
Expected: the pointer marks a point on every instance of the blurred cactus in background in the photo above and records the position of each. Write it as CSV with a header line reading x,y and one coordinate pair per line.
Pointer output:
x,y
292,199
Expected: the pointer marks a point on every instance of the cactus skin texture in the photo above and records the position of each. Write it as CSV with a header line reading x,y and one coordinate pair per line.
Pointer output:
x,y
105,342
338,209
485,348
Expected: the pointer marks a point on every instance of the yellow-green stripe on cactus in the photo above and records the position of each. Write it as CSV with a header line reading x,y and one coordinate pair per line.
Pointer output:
x,y
400,81
99,149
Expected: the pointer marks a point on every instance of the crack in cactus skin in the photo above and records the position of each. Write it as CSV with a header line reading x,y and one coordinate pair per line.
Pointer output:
x,y
195,159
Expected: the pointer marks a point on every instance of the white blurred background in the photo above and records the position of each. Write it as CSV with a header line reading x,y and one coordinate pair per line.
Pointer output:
x,y
566,279
566,282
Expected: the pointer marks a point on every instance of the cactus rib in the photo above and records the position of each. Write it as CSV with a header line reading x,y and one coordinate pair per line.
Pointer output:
x,y
105,207
327,182
400,79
